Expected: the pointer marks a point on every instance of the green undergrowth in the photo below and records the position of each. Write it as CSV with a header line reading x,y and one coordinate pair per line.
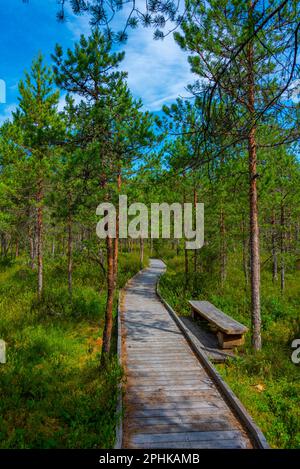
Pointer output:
x,y
267,383
53,393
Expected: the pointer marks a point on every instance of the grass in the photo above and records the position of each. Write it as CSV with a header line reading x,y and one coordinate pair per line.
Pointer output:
x,y
266,382
52,392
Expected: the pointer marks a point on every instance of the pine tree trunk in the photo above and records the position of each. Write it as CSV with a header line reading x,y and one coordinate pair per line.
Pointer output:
x,y
70,255
195,208
109,302
186,266
116,241
245,253
254,246
40,236
282,248
289,234
32,252
274,250
141,251
186,256
222,247
254,225
3,245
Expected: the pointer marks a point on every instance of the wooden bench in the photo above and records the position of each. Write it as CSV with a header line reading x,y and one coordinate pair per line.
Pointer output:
x,y
230,333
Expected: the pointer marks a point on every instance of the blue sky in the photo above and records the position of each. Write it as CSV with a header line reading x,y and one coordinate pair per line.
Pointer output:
x,y
158,71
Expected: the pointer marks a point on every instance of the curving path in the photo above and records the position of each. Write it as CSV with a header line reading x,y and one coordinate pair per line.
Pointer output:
x,y
170,401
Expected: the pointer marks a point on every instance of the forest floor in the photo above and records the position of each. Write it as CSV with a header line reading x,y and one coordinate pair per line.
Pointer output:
x,y
267,382
52,391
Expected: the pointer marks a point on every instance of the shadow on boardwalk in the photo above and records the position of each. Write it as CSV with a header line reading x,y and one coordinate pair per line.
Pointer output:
x,y
170,401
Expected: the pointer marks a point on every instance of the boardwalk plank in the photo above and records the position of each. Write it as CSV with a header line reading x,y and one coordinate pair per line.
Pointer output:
x,y
188,436
170,401
187,413
182,419
220,444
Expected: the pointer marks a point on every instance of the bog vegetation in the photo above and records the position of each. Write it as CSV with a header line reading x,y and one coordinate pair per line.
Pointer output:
x,y
233,145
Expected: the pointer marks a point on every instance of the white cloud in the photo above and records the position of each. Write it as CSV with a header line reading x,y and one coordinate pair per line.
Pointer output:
x,y
7,112
158,71
77,24
62,101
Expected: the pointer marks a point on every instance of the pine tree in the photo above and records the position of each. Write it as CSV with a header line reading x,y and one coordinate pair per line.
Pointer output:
x,y
35,128
244,55
113,131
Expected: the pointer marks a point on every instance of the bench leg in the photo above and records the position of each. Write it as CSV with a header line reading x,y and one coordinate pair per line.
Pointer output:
x,y
227,341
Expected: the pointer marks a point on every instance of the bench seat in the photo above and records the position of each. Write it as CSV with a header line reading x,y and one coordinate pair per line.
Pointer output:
x,y
229,331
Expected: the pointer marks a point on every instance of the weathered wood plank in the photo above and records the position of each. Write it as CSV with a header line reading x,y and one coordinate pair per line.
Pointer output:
x,y
150,374
171,396
170,401
173,366
158,358
208,341
179,405
214,315
219,444
188,436
154,385
188,413
183,419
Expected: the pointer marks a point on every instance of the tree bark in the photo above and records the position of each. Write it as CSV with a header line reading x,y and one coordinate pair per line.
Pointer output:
x,y
245,253
254,225
186,266
195,207
254,246
70,255
116,241
282,248
109,301
40,236
32,251
4,247
222,246
274,249
186,255
141,251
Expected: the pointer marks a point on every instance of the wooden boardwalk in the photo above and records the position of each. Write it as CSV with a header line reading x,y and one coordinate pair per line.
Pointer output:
x,y
170,400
